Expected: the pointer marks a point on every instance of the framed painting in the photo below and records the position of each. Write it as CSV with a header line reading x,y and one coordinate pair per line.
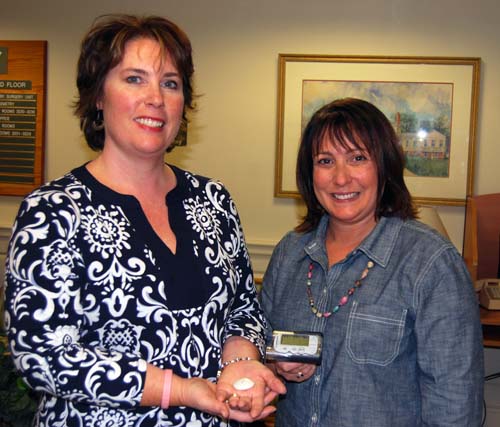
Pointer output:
x,y
432,103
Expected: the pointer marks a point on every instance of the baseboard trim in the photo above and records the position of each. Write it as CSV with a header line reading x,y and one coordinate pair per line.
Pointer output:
x,y
260,254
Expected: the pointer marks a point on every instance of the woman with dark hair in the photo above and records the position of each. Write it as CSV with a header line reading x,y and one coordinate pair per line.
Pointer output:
x,y
402,343
130,298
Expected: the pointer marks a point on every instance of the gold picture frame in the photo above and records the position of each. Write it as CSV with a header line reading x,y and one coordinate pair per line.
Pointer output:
x,y
448,85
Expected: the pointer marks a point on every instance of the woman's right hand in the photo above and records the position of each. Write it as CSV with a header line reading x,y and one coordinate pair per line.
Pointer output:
x,y
197,393
293,371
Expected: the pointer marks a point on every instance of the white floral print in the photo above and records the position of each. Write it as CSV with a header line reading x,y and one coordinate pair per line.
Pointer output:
x,y
89,299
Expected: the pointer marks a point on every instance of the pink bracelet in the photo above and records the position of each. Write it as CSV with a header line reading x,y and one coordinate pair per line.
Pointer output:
x,y
167,384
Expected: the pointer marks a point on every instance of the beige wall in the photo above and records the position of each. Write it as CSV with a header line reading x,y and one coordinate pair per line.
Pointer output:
x,y
236,44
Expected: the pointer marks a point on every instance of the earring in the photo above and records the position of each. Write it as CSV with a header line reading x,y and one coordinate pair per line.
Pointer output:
x,y
98,123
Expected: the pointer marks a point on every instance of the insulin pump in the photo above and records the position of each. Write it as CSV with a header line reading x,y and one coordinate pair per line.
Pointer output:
x,y
294,346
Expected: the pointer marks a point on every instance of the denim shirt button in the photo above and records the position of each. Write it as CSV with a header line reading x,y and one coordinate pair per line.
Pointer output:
x,y
316,379
314,419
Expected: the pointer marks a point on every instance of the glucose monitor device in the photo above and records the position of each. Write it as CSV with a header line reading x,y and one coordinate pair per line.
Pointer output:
x,y
294,346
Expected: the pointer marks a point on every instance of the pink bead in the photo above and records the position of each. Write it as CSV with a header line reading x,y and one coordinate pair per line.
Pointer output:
x,y
343,300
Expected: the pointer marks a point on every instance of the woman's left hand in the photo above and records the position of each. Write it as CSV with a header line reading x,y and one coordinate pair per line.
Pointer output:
x,y
296,372
254,401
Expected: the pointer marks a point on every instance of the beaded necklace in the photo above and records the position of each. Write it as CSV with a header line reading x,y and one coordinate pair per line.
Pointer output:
x,y
343,300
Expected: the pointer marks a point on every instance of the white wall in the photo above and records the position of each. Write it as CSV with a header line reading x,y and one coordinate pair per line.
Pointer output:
x,y
236,45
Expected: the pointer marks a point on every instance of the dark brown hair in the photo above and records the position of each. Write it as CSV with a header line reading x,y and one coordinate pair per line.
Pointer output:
x,y
354,121
102,48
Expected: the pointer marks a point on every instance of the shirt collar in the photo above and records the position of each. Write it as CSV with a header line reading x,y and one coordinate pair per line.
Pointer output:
x,y
377,246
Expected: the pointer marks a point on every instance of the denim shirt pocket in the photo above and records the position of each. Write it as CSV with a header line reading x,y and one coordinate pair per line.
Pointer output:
x,y
374,333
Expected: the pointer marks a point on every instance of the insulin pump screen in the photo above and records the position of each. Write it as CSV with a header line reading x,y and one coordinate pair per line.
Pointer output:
x,y
302,340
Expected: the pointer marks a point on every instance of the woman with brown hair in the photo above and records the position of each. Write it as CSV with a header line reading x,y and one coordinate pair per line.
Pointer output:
x,y
129,287
402,343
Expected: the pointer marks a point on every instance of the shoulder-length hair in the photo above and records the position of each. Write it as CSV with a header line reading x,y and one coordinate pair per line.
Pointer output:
x,y
103,47
347,122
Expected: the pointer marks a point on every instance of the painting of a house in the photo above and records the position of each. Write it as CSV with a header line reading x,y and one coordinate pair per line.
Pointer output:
x,y
430,145
420,113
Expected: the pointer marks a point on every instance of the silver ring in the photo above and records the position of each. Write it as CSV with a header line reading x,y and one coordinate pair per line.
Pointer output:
x,y
300,375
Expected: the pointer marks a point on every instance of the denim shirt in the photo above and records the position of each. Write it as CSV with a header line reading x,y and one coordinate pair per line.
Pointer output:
x,y
406,349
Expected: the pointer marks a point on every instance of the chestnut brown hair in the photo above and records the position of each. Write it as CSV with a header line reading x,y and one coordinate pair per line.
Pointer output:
x,y
354,121
103,47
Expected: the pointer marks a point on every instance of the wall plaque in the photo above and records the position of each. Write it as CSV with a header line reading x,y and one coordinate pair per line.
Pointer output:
x,y
22,115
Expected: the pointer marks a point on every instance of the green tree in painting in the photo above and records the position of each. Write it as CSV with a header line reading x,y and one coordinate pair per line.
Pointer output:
x,y
408,122
442,125
425,125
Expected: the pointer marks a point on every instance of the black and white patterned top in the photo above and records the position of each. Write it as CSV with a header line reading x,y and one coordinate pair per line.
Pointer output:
x,y
92,294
